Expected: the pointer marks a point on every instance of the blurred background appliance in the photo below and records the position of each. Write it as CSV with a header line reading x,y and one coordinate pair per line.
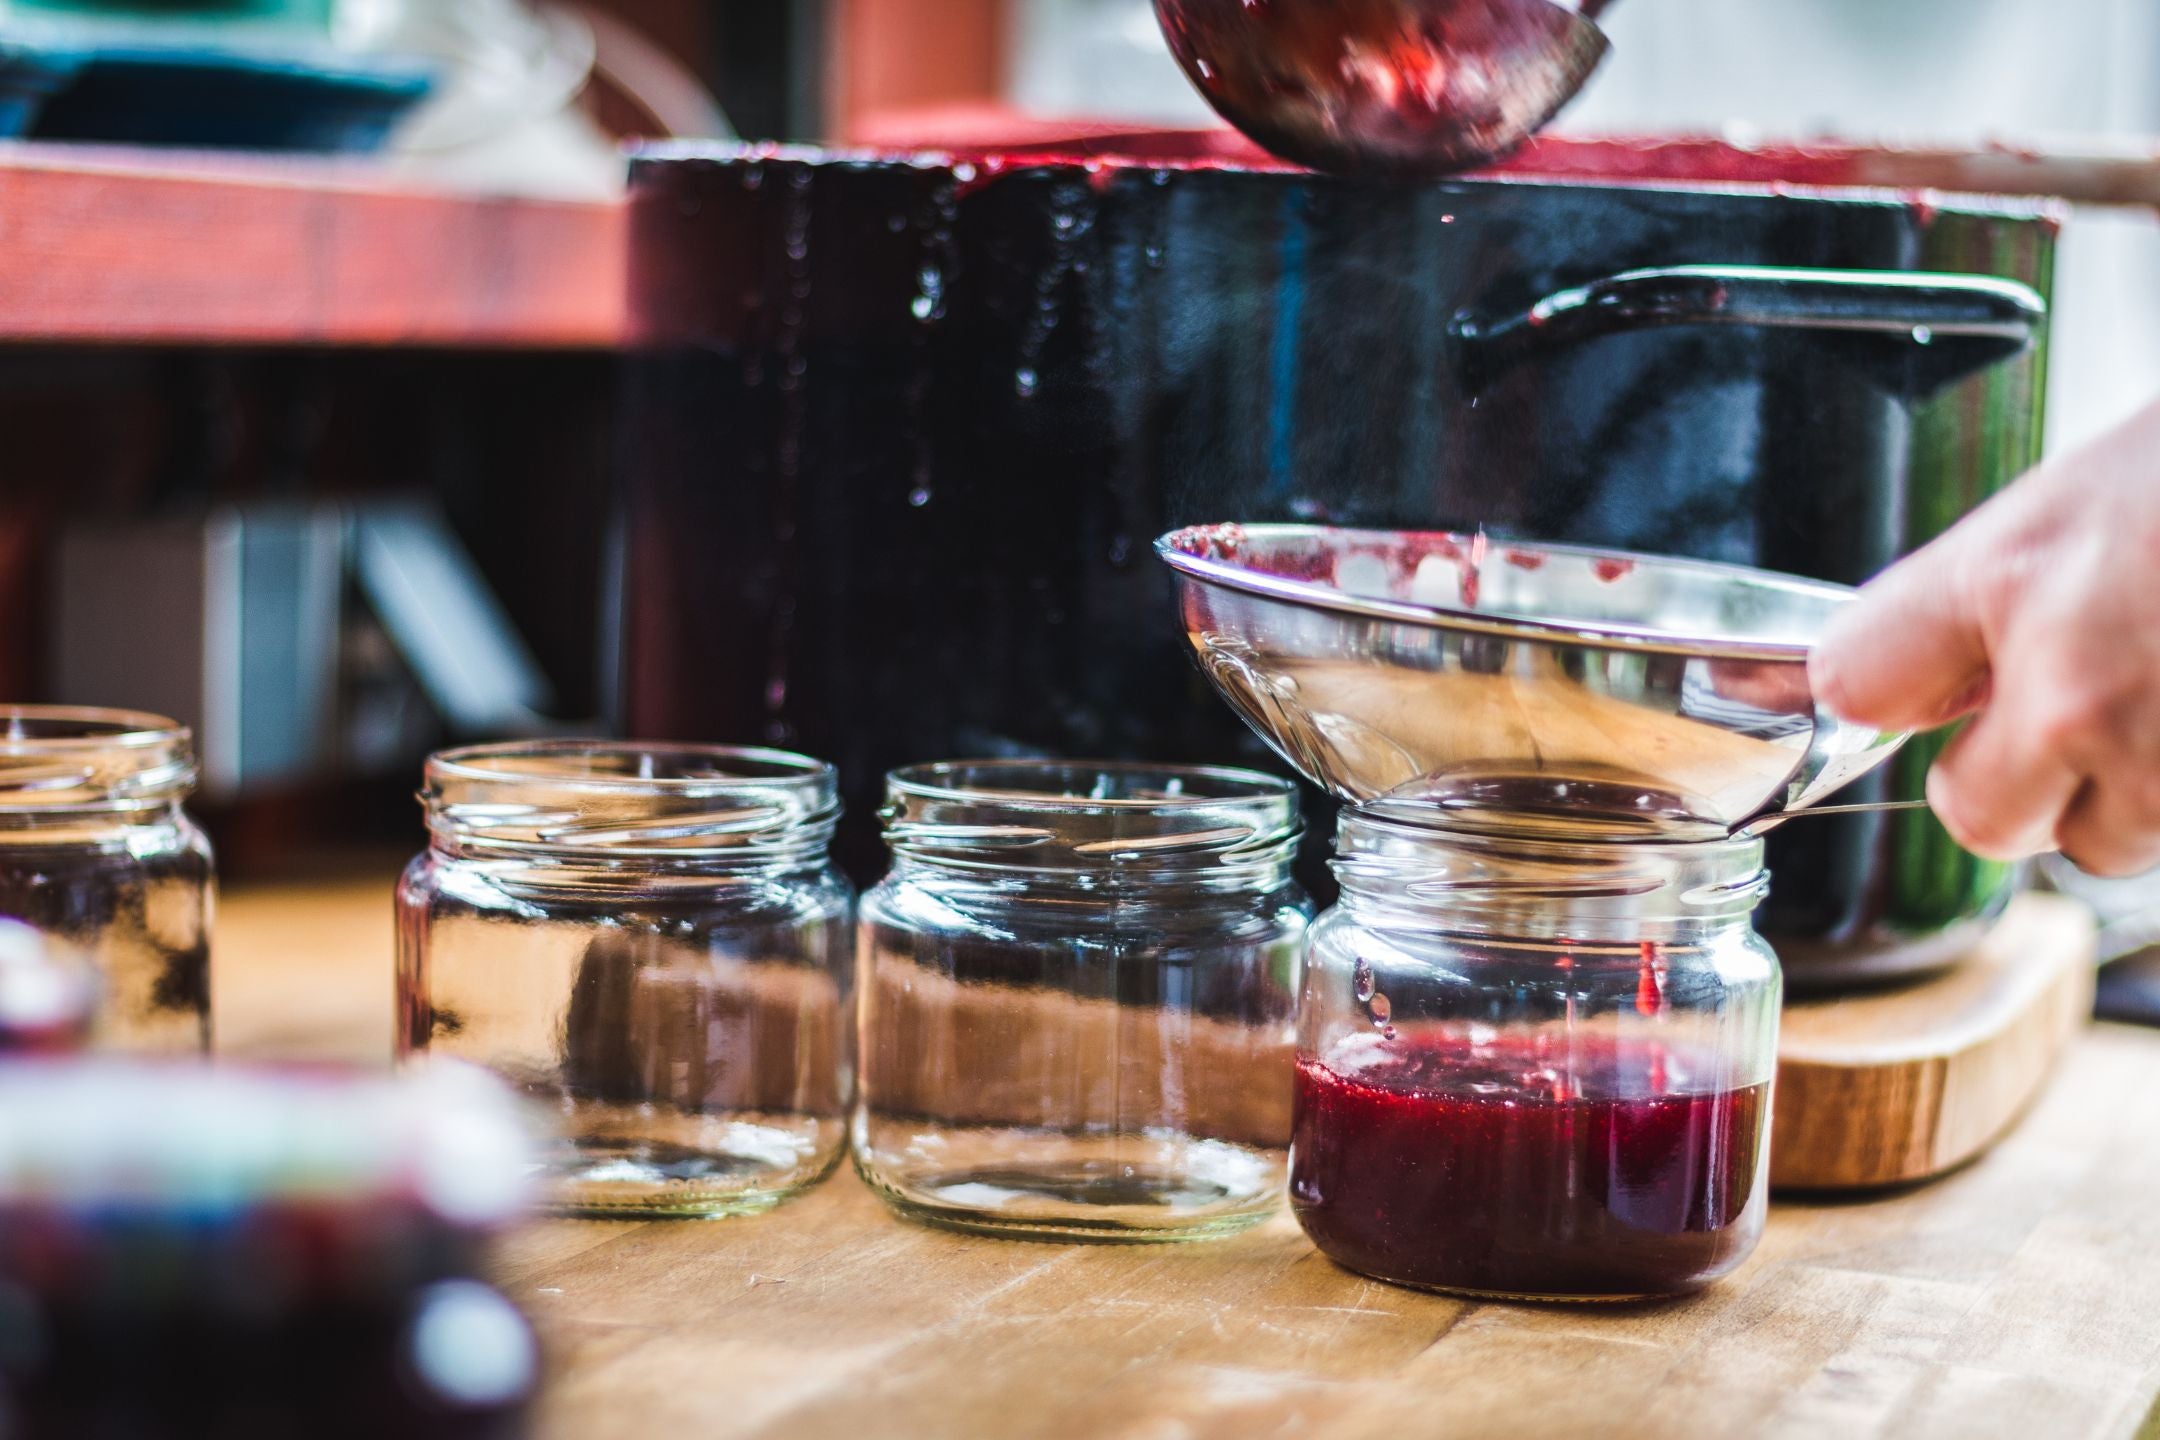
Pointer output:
x,y
258,628
231,623
250,74
492,92
329,562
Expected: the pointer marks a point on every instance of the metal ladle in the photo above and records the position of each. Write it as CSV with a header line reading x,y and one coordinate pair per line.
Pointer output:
x,y
1386,87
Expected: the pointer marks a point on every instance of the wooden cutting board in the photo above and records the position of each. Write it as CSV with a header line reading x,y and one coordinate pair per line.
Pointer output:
x,y
1886,1087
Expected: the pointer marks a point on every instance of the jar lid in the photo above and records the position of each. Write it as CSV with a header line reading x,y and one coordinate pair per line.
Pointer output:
x,y
60,758
1114,816
607,798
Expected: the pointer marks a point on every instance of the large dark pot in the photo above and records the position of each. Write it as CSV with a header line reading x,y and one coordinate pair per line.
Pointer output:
x,y
903,429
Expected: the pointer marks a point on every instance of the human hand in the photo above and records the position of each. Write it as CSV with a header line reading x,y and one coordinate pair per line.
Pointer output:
x,y
2040,611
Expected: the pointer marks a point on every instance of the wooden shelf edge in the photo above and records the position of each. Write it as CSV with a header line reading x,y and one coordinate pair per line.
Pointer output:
x,y
105,247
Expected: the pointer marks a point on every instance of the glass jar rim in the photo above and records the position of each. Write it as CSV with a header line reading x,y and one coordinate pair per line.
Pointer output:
x,y
1124,818
36,729
82,759
1005,781
626,799
746,765
1407,822
1476,879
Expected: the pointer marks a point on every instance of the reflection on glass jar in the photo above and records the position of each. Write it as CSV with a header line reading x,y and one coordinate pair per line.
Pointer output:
x,y
96,852
1079,987
1535,1069
651,941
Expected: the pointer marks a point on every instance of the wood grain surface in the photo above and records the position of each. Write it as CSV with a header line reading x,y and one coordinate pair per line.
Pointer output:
x,y
2017,1297
1888,1086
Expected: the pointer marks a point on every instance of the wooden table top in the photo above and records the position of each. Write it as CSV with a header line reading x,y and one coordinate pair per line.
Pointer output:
x,y
2019,1297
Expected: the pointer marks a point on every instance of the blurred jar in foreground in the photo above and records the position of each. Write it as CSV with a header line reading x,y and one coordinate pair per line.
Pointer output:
x,y
1534,1069
1077,1007
198,1251
96,851
651,941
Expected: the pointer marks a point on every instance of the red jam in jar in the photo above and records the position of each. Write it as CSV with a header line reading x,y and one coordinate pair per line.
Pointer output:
x,y
1537,1164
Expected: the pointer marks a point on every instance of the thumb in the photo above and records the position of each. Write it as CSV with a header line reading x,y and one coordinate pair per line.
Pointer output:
x,y
1907,653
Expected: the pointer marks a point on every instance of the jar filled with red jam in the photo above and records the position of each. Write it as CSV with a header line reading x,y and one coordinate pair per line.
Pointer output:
x,y
1532,1068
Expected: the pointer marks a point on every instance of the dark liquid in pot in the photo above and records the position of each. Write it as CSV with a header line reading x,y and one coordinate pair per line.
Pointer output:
x,y
1513,1167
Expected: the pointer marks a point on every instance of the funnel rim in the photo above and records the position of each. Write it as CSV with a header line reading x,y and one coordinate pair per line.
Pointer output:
x,y
1607,635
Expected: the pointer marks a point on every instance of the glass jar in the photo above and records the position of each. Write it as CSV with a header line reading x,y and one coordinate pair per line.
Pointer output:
x,y
1079,995
96,852
1535,1069
651,942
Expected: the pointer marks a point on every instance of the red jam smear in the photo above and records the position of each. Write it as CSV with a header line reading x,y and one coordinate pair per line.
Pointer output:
x,y
1510,1166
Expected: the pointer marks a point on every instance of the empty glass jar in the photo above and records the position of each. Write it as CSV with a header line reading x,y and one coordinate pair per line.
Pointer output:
x,y
96,852
1078,998
1536,1069
651,942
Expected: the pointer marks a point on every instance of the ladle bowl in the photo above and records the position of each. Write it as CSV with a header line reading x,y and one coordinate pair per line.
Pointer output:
x,y
1386,87
1537,689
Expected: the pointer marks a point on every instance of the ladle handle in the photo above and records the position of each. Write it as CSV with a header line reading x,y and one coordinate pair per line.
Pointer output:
x,y
1764,823
1941,326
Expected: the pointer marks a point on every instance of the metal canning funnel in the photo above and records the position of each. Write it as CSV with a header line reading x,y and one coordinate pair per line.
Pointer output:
x,y
1534,689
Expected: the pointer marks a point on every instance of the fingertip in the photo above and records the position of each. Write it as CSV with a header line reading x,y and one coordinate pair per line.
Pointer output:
x,y
1843,687
1860,672
1946,798
1826,679
1900,653
1831,662
1942,799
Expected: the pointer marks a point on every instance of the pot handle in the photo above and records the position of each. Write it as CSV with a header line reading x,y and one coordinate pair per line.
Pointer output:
x,y
1926,329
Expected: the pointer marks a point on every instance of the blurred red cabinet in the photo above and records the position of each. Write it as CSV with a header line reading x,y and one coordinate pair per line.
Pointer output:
x,y
904,54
